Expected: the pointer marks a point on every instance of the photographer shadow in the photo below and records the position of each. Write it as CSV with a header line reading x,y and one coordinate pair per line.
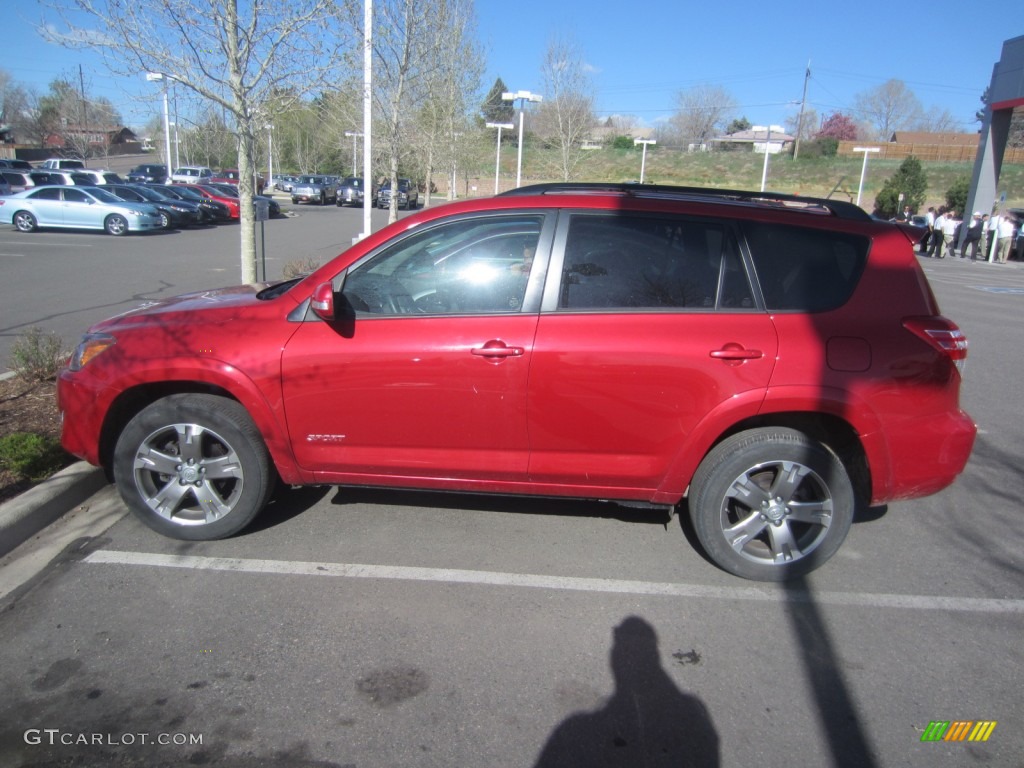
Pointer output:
x,y
648,721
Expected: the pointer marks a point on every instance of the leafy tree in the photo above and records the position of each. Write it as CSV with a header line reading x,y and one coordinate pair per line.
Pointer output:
x,y
740,124
910,181
622,142
837,126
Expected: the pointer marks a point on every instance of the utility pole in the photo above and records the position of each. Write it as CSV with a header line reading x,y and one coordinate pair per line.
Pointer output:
x,y
800,118
83,122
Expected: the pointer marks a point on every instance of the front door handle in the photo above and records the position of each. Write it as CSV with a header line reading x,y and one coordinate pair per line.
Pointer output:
x,y
496,349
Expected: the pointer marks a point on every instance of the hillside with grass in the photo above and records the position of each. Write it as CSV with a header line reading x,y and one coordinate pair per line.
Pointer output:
x,y
838,177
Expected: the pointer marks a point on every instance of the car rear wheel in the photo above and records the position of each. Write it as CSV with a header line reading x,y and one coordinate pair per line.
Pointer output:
x,y
25,222
116,225
770,504
193,467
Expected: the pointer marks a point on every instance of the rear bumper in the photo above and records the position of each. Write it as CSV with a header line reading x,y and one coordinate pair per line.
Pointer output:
x,y
927,455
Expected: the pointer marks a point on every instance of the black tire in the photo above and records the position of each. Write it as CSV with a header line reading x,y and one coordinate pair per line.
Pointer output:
x,y
748,493
211,494
165,221
116,225
25,222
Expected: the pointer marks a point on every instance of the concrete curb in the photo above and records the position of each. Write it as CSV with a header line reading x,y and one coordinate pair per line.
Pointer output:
x,y
25,515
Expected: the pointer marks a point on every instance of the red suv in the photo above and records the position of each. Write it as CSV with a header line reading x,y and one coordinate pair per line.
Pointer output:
x,y
777,362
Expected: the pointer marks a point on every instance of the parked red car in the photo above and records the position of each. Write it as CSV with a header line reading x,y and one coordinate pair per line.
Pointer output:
x,y
230,176
774,363
215,194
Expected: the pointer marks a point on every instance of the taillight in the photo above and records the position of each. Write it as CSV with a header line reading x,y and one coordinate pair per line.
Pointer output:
x,y
942,334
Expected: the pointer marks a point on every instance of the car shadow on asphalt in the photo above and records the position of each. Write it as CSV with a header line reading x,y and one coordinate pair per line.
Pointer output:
x,y
530,505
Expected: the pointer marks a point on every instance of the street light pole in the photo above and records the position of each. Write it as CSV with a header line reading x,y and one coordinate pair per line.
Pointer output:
x,y
643,159
864,167
354,135
270,156
522,97
157,77
497,160
764,170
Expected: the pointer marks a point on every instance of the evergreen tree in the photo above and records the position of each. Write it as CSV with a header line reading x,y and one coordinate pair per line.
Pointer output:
x,y
494,109
909,181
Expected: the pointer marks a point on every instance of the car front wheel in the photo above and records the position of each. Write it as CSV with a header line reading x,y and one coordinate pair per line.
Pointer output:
x,y
116,225
193,467
25,221
770,504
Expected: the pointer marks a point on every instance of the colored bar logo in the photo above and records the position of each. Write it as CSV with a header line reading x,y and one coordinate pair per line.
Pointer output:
x,y
959,730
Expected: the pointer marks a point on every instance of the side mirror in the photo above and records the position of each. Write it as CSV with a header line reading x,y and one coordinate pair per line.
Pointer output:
x,y
322,302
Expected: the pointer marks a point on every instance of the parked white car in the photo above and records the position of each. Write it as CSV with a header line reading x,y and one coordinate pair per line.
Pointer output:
x,y
192,174
61,164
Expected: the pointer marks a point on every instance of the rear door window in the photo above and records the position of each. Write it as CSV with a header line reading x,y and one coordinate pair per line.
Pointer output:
x,y
616,261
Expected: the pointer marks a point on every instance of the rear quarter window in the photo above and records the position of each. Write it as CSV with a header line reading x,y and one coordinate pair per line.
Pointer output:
x,y
809,270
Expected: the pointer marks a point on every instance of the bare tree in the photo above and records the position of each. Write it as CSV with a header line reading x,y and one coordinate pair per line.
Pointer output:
x,y
701,113
16,106
404,59
567,112
444,124
807,122
938,120
888,108
231,54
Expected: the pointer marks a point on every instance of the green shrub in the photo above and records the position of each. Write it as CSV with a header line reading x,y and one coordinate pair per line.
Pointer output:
x,y
956,195
622,142
31,456
37,355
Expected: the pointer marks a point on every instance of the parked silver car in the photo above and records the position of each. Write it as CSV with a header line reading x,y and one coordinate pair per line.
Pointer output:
x,y
315,189
351,190
76,208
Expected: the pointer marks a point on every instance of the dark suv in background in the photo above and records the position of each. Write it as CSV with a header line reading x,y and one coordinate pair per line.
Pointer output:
x,y
148,174
770,364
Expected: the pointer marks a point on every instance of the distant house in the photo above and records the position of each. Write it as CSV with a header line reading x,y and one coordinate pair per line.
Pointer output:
x,y
93,136
760,138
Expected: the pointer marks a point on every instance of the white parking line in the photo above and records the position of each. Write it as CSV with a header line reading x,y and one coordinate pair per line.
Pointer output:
x,y
764,594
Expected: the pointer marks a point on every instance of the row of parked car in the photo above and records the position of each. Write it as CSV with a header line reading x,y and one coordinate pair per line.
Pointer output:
x,y
62,196
350,190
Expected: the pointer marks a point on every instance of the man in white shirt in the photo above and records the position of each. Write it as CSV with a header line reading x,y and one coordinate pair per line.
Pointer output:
x,y
936,244
1005,237
948,231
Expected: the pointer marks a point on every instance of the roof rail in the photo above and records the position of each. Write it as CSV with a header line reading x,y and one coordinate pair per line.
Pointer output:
x,y
837,208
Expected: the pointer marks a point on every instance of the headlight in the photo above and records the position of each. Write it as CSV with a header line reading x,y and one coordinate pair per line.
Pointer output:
x,y
91,345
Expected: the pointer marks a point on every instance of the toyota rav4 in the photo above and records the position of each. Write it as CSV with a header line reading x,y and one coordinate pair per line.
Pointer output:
x,y
770,364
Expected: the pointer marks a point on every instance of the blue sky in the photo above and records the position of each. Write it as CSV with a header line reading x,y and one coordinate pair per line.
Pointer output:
x,y
640,56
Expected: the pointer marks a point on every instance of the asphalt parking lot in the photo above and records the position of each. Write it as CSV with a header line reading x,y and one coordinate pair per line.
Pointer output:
x,y
370,627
